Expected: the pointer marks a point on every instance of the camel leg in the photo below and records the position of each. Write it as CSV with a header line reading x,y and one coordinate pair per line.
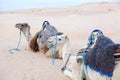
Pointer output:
x,y
51,53
48,53
60,54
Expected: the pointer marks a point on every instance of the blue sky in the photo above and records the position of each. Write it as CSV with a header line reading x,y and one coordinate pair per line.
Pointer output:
x,y
24,4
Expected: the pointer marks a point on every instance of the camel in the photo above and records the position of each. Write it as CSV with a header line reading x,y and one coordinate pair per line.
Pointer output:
x,y
60,40
75,68
39,41
72,69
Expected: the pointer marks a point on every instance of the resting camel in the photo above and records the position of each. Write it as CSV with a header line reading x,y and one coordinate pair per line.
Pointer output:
x,y
71,68
39,41
75,64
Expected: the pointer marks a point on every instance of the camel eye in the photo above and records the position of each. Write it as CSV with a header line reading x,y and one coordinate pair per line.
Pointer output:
x,y
22,25
59,39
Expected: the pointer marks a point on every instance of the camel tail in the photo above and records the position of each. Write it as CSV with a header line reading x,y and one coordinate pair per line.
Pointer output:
x,y
33,43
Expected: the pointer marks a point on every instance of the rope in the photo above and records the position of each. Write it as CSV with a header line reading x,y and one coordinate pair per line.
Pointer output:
x,y
108,78
17,48
84,67
64,67
54,53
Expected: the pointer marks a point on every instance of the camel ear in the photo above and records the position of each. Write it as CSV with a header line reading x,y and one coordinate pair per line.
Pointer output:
x,y
66,37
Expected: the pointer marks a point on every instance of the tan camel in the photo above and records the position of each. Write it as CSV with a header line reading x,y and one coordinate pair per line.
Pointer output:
x,y
34,43
72,69
60,40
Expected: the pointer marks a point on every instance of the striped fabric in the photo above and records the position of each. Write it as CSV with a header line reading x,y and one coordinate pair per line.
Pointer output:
x,y
117,58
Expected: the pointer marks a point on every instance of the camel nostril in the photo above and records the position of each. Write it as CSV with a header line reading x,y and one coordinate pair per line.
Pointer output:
x,y
50,41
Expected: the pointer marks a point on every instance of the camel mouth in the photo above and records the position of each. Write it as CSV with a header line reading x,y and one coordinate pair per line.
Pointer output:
x,y
50,41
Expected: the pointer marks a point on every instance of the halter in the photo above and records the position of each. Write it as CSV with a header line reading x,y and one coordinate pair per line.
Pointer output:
x,y
17,48
53,48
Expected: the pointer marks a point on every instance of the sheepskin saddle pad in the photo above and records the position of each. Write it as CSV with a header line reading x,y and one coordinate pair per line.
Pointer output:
x,y
101,57
49,32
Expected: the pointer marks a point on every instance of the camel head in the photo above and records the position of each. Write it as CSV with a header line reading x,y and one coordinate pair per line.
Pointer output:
x,y
58,40
25,28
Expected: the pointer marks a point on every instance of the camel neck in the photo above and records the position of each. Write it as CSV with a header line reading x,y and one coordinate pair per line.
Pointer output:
x,y
65,50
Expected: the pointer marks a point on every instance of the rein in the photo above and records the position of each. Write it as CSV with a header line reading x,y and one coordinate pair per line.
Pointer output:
x,y
53,48
53,60
17,48
64,67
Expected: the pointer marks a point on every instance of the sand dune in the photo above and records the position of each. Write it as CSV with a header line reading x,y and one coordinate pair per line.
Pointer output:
x,y
77,22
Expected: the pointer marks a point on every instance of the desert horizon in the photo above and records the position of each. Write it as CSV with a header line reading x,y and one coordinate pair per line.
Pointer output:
x,y
75,21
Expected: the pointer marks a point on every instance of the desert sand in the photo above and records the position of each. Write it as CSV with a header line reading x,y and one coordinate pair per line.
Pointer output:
x,y
77,22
